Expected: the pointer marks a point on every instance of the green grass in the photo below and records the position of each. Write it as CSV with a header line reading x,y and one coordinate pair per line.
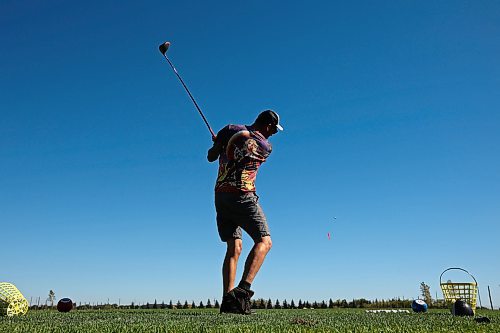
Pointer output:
x,y
128,321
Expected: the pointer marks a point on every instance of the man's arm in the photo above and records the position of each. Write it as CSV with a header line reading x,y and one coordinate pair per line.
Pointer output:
x,y
214,152
219,142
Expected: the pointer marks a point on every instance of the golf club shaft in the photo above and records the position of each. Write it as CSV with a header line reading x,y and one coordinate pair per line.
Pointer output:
x,y
190,95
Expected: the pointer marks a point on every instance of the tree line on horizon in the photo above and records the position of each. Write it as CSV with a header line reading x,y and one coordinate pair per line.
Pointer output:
x,y
394,303
261,303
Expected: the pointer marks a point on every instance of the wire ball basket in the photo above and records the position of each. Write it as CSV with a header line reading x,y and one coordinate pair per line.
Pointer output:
x,y
12,302
465,291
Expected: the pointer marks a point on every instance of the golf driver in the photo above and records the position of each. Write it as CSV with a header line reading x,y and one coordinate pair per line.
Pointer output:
x,y
163,49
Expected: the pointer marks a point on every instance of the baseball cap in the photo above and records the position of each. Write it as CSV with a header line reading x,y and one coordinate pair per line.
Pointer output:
x,y
270,117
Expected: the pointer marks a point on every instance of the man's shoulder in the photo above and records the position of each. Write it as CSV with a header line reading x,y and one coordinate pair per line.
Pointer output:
x,y
229,130
236,128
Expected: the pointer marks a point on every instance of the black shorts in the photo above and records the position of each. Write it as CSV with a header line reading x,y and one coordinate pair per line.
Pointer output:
x,y
236,211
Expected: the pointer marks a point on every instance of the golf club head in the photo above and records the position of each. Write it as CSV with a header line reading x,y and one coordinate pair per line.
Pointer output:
x,y
164,47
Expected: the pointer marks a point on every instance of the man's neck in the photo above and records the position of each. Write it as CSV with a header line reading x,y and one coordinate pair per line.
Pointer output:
x,y
256,128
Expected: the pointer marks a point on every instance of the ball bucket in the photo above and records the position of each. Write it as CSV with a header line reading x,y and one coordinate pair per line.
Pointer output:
x,y
12,302
465,291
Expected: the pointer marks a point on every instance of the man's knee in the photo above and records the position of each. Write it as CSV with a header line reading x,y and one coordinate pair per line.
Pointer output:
x,y
266,243
234,247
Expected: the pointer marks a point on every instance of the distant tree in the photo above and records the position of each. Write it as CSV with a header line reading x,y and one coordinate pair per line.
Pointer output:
x,y
315,305
330,304
155,306
132,305
216,305
193,306
426,293
162,306
52,297
269,304
307,304
285,304
300,304
323,305
170,305
201,306
209,305
178,305
292,305
147,305
186,305
363,303
343,303
277,305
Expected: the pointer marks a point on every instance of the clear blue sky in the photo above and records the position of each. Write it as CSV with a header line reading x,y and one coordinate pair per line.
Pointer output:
x,y
392,125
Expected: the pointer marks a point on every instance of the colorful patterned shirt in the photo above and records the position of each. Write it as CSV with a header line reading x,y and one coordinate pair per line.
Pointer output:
x,y
244,150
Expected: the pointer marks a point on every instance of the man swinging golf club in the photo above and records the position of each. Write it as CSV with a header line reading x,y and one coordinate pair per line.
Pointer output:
x,y
241,150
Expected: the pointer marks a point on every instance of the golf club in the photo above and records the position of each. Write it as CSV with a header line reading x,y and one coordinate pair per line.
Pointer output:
x,y
163,49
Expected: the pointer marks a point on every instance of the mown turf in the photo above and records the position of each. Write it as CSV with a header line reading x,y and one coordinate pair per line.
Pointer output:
x,y
341,320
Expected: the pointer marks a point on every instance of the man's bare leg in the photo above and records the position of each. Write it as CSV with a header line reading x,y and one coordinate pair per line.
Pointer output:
x,y
230,264
256,258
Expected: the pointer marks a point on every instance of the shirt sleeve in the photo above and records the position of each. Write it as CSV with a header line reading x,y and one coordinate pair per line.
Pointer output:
x,y
222,136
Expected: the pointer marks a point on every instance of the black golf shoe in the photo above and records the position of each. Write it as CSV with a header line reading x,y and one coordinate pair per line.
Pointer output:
x,y
229,304
242,298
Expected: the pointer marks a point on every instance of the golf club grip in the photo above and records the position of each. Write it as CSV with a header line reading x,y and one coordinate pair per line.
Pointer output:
x,y
191,96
